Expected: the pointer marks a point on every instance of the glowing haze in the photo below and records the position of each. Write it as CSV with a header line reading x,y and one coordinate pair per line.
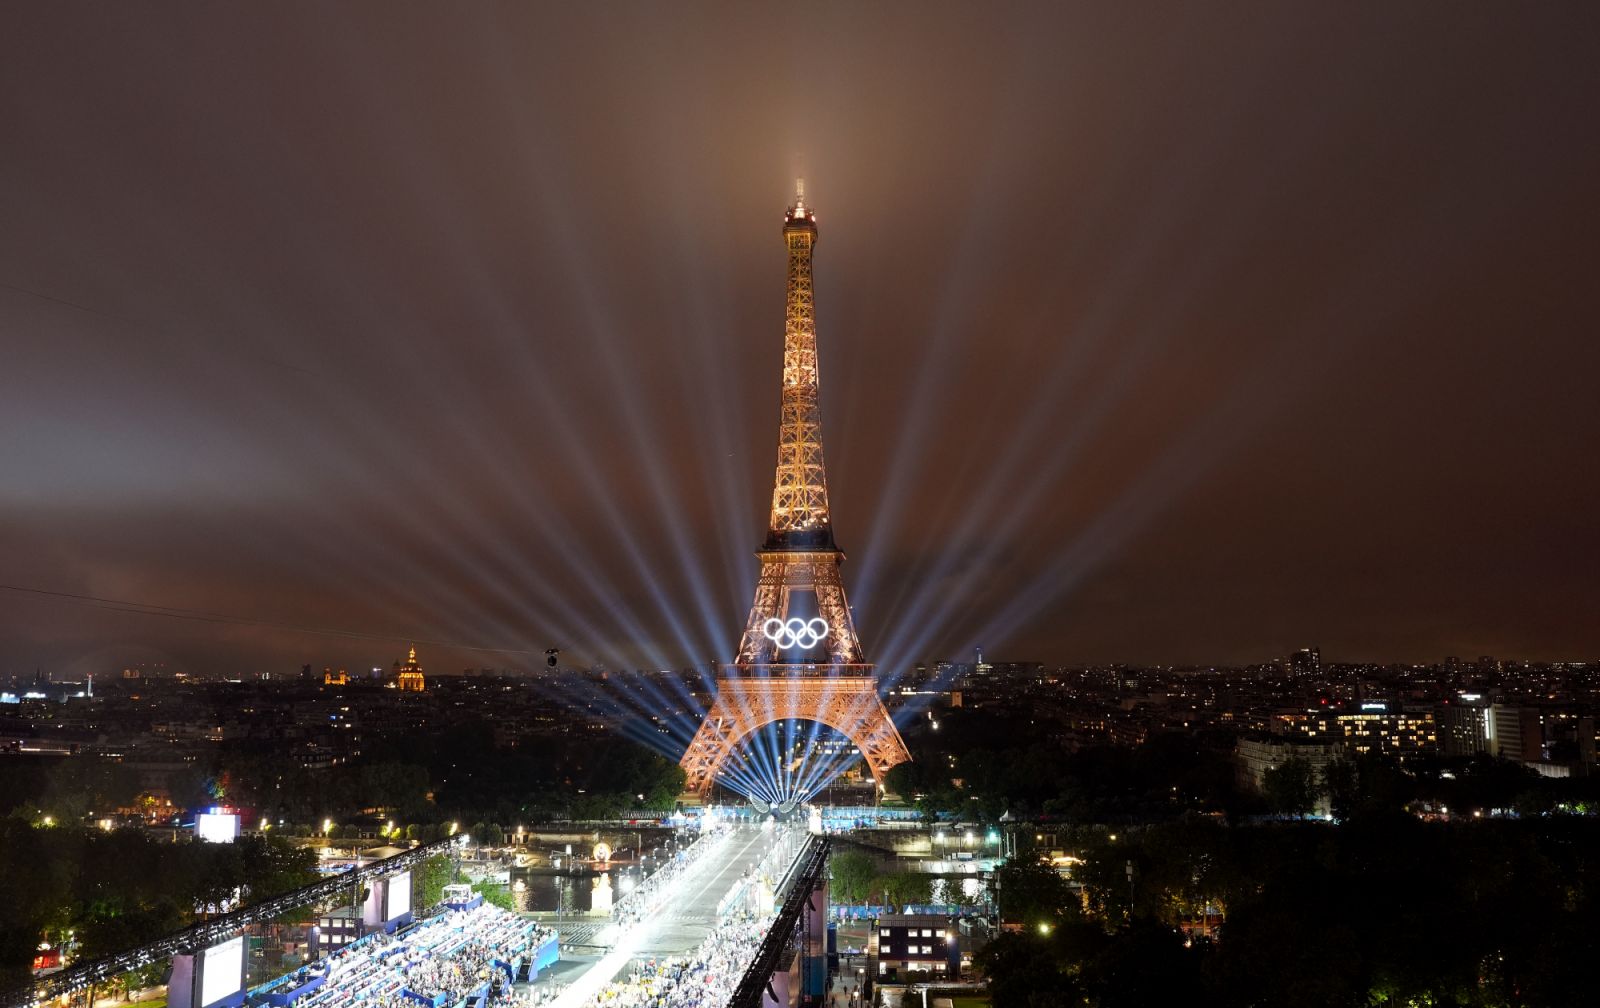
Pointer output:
x,y
1148,333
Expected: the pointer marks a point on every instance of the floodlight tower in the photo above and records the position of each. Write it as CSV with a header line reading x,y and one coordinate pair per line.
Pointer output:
x,y
799,657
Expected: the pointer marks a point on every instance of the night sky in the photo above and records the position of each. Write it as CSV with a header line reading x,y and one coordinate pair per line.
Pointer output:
x,y
1169,333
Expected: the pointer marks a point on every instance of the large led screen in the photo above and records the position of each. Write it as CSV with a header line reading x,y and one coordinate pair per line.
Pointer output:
x,y
214,827
399,895
221,971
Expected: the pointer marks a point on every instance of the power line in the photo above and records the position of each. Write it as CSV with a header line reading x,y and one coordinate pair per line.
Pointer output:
x,y
202,616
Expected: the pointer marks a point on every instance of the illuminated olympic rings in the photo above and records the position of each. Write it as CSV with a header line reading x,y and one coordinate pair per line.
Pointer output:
x,y
796,632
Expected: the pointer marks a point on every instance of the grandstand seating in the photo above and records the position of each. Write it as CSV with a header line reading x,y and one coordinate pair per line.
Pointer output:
x,y
450,960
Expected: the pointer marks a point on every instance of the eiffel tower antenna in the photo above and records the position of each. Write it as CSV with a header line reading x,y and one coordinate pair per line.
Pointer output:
x,y
799,657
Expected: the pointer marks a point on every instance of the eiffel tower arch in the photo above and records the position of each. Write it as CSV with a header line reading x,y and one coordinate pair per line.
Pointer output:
x,y
799,657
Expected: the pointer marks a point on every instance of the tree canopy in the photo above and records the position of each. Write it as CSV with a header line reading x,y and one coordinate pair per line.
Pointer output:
x,y
122,888
1382,910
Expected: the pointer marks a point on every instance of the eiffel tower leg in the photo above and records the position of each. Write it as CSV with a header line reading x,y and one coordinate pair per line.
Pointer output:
x,y
872,731
708,751
849,705
843,646
755,648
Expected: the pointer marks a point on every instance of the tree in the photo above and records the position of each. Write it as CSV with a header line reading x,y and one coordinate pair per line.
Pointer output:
x,y
270,865
1143,963
1030,892
913,778
36,884
1291,787
497,894
902,888
853,874
432,875
1339,781
1024,970
1534,802
76,788
1367,784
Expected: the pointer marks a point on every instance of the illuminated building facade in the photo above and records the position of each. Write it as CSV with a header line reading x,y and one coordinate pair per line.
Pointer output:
x,y
799,657
1255,755
408,677
915,946
1463,726
1400,731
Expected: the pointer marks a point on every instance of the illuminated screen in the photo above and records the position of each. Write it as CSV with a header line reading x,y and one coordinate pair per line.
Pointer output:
x,y
399,895
214,827
222,971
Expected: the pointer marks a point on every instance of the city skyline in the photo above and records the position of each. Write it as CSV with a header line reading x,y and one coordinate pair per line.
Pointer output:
x,y
400,330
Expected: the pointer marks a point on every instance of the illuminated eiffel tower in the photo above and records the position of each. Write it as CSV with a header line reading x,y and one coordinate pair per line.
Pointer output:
x,y
799,658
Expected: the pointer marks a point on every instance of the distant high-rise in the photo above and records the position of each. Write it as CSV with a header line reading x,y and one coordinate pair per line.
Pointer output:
x,y
1463,726
1516,733
1305,663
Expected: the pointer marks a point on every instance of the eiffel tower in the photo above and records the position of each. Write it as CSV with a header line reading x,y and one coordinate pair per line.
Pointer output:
x,y
799,657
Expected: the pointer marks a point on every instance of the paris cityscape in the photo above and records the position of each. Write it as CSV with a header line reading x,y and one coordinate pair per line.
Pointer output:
x,y
1174,582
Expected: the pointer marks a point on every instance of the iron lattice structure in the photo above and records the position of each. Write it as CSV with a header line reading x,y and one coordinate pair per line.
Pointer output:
x,y
800,491
799,574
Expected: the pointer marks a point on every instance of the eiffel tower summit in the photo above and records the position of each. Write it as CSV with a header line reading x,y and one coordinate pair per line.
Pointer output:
x,y
799,658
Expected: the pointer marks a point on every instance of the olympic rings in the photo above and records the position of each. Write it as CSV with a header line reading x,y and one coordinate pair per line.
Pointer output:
x,y
795,633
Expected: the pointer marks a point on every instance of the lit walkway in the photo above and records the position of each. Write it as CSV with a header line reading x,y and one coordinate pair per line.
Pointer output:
x,y
690,911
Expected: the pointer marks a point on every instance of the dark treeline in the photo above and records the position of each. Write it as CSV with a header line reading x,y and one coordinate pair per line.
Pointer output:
x,y
67,789
980,765
458,775
115,890
1382,910
423,780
